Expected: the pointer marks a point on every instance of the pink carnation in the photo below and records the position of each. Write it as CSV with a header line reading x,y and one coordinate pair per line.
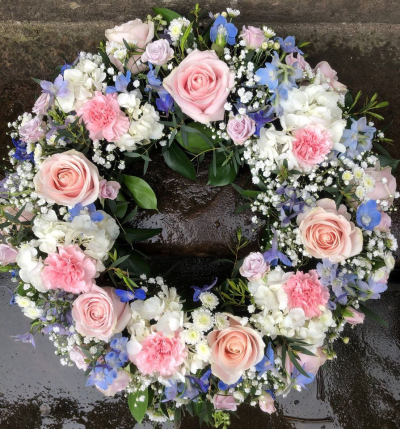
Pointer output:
x,y
159,354
69,269
305,291
312,144
103,117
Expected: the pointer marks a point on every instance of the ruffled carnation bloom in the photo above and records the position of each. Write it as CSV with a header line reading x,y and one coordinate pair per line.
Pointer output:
x,y
99,313
311,145
109,189
158,53
42,104
69,269
158,354
385,183
33,130
305,291
77,356
120,383
224,402
252,36
240,128
327,232
234,350
329,76
67,178
8,254
266,403
254,266
200,86
356,318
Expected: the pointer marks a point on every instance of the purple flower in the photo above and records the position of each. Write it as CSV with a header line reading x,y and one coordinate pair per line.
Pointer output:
x,y
127,295
359,137
300,379
261,118
198,290
58,88
25,338
267,363
370,289
273,255
121,83
288,45
95,215
165,103
102,377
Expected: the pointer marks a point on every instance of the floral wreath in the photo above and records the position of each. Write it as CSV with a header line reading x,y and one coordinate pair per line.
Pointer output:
x,y
322,193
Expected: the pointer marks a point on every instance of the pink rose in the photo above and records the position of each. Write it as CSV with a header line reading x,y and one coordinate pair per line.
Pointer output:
x,y
120,383
42,104
328,233
385,223
254,266
8,254
385,183
200,85
299,61
329,76
311,145
77,356
103,117
252,36
69,269
136,32
158,354
158,53
224,402
266,403
234,350
305,291
241,128
311,364
67,178
109,189
357,317
99,313
33,130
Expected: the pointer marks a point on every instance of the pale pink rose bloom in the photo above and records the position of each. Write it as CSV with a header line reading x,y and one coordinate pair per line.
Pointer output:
x,y
67,178
311,364
99,313
42,104
103,117
33,131
77,356
224,402
385,223
69,269
357,317
159,354
254,266
200,85
234,350
311,145
109,189
8,254
252,36
240,128
133,31
329,76
158,53
266,403
298,60
382,190
327,232
304,290
120,383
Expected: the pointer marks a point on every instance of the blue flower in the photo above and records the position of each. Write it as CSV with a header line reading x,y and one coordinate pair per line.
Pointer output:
x,y
301,380
121,83
90,209
273,255
368,215
116,359
198,290
224,386
165,103
20,151
128,295
327,272
358,138
370,289
102,377
152,78
288,45
119,343
223,32
261,118
269,75
203,382
25,338
267,363
171,391
57,88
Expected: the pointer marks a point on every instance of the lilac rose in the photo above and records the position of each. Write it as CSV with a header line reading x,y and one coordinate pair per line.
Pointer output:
x,y
8,254
33,130
254,266
108,189
42,104
240,128
252,36
158,53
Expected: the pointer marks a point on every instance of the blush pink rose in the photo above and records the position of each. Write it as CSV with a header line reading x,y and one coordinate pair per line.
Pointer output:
x,y
327,232
254,266
385,183
311,364
42,104
120,383
234,350
304,290
8,254
137,32
329,76
69,269
240,128
158,354
200,85
103,117
356,318
385,223
99,313
67,178
299,60
33,130
311,145
158,53
252,36
77,356
266,403
224,402
109,189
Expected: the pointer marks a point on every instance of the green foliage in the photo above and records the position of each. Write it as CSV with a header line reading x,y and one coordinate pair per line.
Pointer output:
x,y
138,408
178,161
372,315
142,193
221,173
292,347
167,14
198,138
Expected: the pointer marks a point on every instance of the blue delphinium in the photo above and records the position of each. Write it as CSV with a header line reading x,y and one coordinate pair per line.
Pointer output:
x,y
20,151
327,272
25,338
57,88
128,295
370,289
152,79
224,386
223,32
165,103
273,255
358,138
267,362
90,209
102,377
300,380
116,359
198,290
368,215
261,118
288,45
121,83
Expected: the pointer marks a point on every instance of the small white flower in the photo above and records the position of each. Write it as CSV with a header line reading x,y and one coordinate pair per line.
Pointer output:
x,y
203,319
209,300
203,351
221,321
191,336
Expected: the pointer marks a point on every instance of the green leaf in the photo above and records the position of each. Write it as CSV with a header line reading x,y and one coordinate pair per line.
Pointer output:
x,y
296,364
138,408
136,265
141,234
199,138
347,313
242,208
372,315
167,14
246,193
130,215
119,261
185,36
224,175
141,191
179,162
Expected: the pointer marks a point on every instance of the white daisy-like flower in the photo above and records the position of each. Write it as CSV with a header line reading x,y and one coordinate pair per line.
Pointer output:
x,y
221,321
203,319
209,300
191,336
33,312
233,12
23,301
203,351
369,183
